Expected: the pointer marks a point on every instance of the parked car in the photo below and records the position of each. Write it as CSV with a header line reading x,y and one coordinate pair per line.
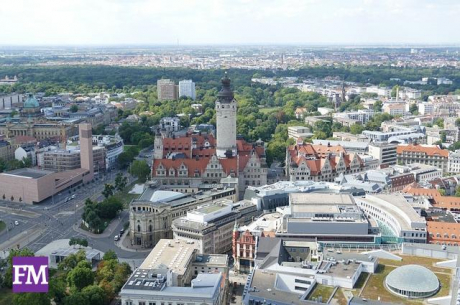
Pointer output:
x,y
16,223
116,238
73,196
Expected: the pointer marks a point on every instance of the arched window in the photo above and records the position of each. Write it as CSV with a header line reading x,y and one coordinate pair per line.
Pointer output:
x,y
150,228
138,228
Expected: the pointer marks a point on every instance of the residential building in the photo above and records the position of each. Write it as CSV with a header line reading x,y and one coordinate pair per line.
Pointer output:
x,y
169,124
211,225
151,216
394,109
300,112
173,272
424,154
425,108
319,162
187,88
350,146
359,117
7,150
454,162
113,148
167,90
296,132
384,152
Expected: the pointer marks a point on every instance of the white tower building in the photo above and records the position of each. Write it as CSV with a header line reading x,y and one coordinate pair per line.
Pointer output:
x,y
187,88
226,121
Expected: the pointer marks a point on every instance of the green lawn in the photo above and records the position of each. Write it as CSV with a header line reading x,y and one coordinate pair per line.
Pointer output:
x,y
6,296
321,291
340,297
125,197
269,109
2,226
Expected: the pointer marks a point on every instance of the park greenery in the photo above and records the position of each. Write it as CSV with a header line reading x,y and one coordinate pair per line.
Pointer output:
x,y
74,282
97,215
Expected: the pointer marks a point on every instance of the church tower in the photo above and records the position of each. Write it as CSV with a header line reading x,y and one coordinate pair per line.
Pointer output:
x,y
226,121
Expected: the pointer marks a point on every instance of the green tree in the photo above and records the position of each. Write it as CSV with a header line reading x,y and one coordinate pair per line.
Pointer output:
x,y
80,277
94,294
457,192
108,190
443,136
110,207
110,255
71,261
120,182
78,241
356,128
457,122
439,122
73,108
76,298
141,170
378,106
8,280
413,109
57,289
31,298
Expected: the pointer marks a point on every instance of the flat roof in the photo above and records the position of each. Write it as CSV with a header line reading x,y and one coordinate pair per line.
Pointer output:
x,y
28,173
172,254
265,284
397,206
320,199
64,252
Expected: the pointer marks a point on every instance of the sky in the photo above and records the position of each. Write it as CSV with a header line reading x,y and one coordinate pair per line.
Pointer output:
x,y
212,22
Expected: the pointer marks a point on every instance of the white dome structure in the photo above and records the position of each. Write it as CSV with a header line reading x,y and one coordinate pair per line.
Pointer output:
x,y
412,281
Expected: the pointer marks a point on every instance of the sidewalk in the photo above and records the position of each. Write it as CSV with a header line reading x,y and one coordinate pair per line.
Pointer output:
x,y
124,244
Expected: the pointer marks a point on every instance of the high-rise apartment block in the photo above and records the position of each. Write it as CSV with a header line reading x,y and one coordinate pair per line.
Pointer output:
x,y
187,88
167,90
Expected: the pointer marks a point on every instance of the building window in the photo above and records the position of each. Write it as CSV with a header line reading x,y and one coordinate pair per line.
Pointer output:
x,y
138,228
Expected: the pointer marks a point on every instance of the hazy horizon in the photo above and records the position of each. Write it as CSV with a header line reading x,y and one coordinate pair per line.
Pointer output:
x,y
229,23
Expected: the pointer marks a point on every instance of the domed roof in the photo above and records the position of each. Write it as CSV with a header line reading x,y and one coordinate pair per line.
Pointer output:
x,y
31,102
413,278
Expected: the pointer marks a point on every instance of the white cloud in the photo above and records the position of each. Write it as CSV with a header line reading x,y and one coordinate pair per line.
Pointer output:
x,y
34,22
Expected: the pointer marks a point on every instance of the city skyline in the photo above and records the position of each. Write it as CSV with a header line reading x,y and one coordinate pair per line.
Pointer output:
x,y
242,22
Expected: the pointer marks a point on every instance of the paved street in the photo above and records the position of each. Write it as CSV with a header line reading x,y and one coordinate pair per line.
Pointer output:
x,y
55,219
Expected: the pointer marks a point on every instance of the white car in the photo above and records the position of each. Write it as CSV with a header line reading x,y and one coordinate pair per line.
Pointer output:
x,y
16,223
73,196
116,238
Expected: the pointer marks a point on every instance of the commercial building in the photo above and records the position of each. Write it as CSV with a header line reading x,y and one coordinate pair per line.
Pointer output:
x,y
396,215
167,90
151,215
424,154
211,225
187,88
384,152
33,185
359,117
173,273
326,217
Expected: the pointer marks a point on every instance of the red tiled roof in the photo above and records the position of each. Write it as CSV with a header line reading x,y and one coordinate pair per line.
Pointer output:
x,y
429,150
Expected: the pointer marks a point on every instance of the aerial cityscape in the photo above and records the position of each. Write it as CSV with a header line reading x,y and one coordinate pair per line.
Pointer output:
x,y
230,152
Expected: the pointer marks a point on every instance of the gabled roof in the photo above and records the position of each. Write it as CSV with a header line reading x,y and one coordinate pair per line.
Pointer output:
x,y
428,150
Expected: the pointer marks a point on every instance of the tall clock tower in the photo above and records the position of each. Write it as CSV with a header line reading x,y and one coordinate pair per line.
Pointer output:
x,y
226,121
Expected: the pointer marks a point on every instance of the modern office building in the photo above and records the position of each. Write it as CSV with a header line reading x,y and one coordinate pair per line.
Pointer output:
x,y
167,90
211,225
384,152
187,88
174,273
